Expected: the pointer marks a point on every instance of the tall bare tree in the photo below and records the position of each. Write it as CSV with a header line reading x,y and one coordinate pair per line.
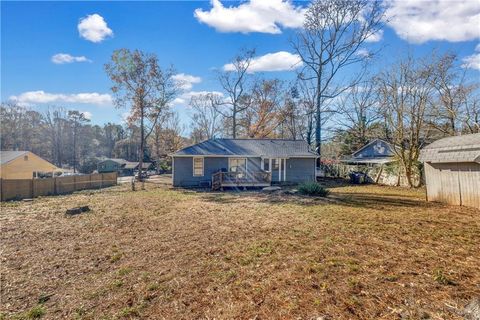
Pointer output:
x,y
358,115
455,98
405,93
76,119
139,80
333,33
233,80
206,118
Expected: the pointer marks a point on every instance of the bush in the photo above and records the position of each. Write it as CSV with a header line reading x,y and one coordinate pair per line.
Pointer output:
x,y
313,189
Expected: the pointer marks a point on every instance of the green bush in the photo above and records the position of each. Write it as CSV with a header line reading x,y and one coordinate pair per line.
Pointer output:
x,y
312,189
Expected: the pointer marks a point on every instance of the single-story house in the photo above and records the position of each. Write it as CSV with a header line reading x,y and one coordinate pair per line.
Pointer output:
x,y
24,165
111,165
243,163
452,170
123,167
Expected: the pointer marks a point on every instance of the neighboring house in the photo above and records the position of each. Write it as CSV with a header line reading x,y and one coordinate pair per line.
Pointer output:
x,y
123,167
24,165
243,162
376,152
452,170
111,165
377,160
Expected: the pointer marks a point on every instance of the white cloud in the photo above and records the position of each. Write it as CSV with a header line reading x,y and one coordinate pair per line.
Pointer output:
x,y
94,28
184,99
278,61
377,36
472,61
267,16
362,52
421,21
40,96
186,81
62,58
87,115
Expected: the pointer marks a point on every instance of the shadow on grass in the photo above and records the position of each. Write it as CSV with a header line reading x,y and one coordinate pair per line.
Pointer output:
x,y
355,200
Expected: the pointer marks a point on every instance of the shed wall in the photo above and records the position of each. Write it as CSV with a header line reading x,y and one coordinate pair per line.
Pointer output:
x,y
453,183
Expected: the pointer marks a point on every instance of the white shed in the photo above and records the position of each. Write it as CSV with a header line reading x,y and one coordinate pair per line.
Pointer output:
x,y
452,170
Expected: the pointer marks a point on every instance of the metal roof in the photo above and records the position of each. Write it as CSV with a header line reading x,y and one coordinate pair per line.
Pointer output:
x,y
465,148
7,156
271,148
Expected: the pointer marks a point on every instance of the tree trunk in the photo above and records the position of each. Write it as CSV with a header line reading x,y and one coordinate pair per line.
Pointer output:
x,y
142,142
234,122
318,124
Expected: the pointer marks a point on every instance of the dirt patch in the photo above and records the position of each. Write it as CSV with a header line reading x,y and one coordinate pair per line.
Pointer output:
x,y
364,252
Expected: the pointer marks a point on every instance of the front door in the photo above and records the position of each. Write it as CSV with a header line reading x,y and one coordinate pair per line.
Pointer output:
x,y
277,166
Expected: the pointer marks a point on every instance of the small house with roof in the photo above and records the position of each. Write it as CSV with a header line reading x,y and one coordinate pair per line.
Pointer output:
x,y
452,170
24,165
223,163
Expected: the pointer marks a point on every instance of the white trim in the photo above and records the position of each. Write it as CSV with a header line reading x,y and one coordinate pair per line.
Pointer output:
x,y
173,171
193,167
270,165
285,170
279,160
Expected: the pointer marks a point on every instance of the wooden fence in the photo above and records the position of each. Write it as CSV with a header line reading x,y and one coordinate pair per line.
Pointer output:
x,y
16,189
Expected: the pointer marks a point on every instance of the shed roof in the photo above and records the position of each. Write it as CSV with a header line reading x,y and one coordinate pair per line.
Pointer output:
x,y
273,148
7,156
465,148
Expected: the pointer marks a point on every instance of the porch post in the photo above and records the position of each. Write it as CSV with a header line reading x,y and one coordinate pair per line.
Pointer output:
x,y
279,169
270,164
285,169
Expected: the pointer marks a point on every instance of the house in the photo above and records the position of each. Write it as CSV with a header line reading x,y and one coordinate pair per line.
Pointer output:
x,y
123,167
376,152
111,165
377,161
452,170
243,163
24,165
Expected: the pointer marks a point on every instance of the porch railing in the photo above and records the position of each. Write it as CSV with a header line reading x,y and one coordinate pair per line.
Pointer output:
x,y
220,179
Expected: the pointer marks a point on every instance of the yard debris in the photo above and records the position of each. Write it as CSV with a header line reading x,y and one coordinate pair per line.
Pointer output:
x,y
77,210
271,189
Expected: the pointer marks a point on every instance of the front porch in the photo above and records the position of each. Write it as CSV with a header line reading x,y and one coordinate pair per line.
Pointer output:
x,y
222,180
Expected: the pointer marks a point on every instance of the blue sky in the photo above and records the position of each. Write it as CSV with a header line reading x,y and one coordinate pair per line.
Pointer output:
x,y
32,33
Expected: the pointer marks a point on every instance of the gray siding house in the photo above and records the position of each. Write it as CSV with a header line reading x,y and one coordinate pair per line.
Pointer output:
x,y
243,163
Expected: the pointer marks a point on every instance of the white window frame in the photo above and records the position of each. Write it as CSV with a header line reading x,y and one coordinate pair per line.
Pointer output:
x,y
203,166
238,158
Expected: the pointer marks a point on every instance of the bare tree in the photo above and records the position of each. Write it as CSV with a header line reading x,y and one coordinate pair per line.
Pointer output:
x,y
454,99
233,81
77,119
140,81
333,33
405,92
206,118
358,115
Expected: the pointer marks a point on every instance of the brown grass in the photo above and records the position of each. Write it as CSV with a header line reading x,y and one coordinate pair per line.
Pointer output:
x,y
365,252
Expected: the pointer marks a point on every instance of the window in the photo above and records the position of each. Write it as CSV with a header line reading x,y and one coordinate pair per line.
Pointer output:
x,y
266,164
238,165
197,167
275,164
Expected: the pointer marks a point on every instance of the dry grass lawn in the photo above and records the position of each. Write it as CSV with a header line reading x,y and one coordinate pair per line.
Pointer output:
x,y
366,252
